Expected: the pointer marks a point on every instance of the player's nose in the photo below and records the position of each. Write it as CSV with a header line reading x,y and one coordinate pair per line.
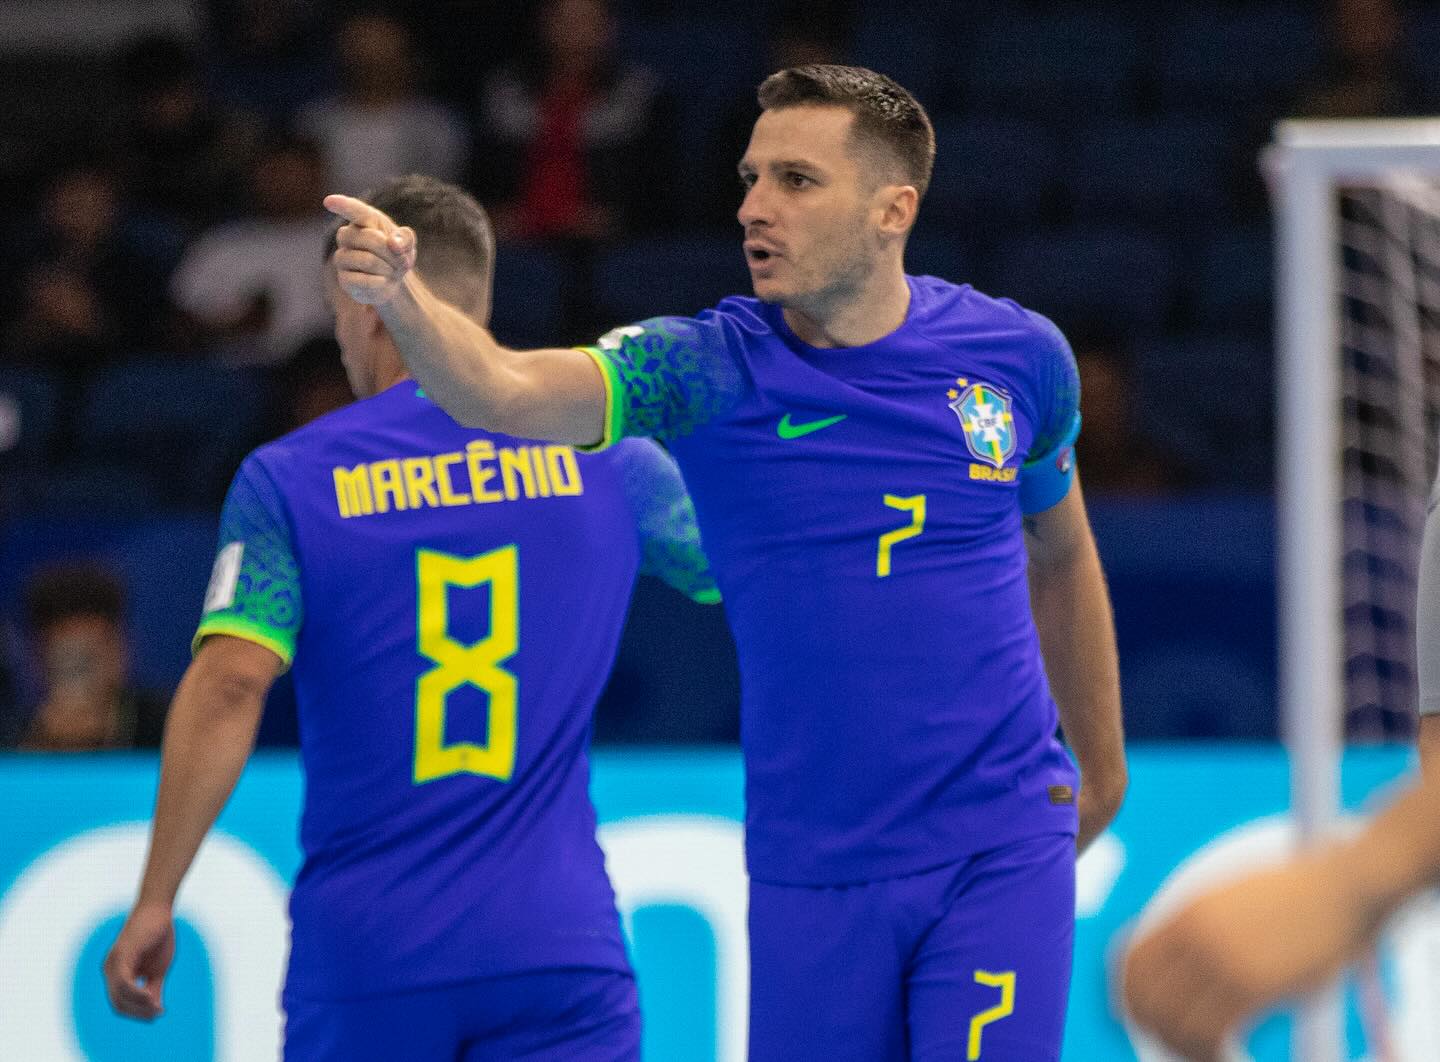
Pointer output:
x,y
754,208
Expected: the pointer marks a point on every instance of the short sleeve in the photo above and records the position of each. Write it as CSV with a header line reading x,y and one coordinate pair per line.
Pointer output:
x,y
254,590
664,377
665,517
1049,467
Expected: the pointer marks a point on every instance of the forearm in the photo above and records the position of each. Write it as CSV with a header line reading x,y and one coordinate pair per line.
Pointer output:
x,y
1077,639
1396,855
542,394
208,737
455,359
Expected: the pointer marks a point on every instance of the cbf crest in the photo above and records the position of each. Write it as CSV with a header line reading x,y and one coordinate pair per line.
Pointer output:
x,y
984,413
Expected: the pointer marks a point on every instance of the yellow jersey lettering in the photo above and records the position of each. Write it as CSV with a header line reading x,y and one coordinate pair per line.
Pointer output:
x,y
352,491
564,471
442,479
476,454
513,463
420,482
494,474
993,475
385,475
537,462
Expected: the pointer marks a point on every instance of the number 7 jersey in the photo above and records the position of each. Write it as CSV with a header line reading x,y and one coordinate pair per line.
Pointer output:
x,y
452,601
862,508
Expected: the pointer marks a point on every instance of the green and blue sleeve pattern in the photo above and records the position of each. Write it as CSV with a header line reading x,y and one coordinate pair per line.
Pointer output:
x,y
1049,466
254,589
669,536
664,377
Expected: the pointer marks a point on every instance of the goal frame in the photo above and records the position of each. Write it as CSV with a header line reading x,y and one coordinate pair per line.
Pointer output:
x,y
1308,161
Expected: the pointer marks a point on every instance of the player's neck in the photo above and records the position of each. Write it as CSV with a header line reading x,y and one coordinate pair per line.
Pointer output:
x,y
872,313
389,371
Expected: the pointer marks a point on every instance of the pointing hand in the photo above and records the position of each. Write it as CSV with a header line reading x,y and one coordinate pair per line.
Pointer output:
x,y
372,253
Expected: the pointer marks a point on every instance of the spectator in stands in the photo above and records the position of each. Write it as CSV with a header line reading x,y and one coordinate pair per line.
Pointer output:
x,y
253,287
795,42
379,125
578,145
1115,458
180,153
9,699
309,385
1362,76
88,699
91,276
267,57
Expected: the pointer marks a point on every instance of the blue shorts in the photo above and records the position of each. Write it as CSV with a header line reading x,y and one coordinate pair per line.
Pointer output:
x,y
971,961
573,1015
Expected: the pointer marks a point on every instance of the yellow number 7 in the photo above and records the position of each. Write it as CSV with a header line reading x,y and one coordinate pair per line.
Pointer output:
x,y
916,508
1006,983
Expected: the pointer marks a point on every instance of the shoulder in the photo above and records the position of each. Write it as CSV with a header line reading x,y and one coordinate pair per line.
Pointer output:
x,y
718,329
961,310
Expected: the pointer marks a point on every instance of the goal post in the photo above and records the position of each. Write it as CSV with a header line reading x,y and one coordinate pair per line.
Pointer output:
x,y
1310,165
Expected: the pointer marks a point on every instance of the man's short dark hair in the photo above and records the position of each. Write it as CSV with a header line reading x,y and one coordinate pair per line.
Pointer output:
x,y
56,594
886,115
456,245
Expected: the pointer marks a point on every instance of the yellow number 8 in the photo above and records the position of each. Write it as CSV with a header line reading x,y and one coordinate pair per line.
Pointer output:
x,y
457,663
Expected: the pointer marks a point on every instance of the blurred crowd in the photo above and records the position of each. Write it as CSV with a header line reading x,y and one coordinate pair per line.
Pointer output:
x,y
1096,161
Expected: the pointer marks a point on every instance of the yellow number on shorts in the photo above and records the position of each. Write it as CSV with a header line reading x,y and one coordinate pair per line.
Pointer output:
x,y
457,663
1006,983
916,508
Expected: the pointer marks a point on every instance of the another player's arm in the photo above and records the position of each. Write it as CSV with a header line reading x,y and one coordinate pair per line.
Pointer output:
x,y
1245,946
1077,639
556,394
209,735
1427,635
247,635
670,546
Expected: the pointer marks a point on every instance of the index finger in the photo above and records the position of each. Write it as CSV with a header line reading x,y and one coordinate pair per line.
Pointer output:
x,y
359,212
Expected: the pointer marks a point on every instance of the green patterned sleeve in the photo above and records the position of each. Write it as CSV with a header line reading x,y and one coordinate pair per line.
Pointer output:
x,y
666,376
669,536
254,588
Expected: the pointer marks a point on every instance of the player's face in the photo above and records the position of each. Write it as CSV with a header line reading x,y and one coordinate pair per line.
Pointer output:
x,y
809,212
354,334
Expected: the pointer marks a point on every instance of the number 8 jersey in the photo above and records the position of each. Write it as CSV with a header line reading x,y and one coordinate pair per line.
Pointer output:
x,y
862,508
452,601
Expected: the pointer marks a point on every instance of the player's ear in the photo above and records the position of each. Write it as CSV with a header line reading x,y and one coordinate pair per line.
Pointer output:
x,y
898,204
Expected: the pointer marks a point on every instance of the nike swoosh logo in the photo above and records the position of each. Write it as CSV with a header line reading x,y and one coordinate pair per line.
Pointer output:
x,y
787,429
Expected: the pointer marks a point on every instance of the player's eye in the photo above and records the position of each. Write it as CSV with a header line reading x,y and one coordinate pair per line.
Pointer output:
x,y
747,180
797,180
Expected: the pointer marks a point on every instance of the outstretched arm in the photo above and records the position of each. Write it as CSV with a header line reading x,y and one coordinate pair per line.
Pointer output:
x,y
208,737
1077,639
1245,946
556,394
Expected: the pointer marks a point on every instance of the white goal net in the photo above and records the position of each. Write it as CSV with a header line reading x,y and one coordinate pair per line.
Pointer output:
x,y
1390,369
1357,208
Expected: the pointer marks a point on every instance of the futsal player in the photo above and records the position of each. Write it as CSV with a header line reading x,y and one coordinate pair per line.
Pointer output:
x,y
1241,948
451,600
882,469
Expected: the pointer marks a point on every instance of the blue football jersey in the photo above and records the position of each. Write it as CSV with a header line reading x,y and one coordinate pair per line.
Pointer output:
x,y
452,601
862,509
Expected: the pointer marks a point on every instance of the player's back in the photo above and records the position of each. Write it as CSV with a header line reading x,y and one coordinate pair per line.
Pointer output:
x,y
463,595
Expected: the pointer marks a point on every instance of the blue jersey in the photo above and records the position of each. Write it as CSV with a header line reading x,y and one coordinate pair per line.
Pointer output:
x,y
862,509
452,601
